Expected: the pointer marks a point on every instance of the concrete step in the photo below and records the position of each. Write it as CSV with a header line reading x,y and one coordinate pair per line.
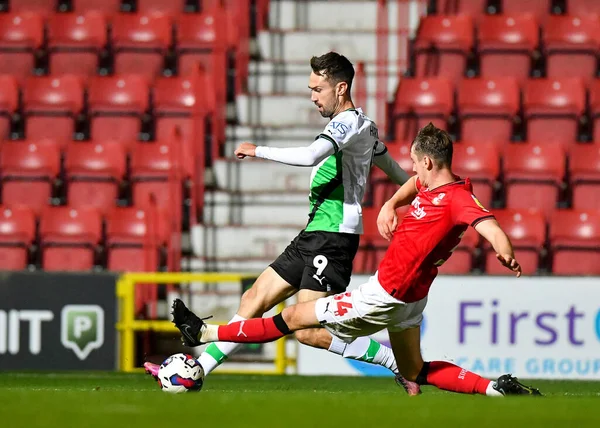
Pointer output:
x,y
270,136
277,209
300,46
337,15
272,78
228,265
260,176
287,110
241,242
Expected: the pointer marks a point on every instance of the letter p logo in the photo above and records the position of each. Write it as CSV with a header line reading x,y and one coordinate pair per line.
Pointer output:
x,y
82,329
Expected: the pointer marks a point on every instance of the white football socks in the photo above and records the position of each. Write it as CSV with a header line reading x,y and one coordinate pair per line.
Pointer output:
x,y
216,353
365,349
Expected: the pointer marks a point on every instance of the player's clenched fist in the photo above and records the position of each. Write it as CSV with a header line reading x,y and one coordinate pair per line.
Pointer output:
x,y
387,220
510,262
245,149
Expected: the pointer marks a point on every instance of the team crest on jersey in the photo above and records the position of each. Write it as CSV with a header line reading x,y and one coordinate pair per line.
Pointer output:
x,y
438,198
479,204
339,128
418,211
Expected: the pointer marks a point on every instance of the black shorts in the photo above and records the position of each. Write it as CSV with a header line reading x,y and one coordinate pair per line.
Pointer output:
x,y
320,261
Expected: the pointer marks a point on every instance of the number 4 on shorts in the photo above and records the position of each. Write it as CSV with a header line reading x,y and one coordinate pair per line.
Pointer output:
x,y
341,306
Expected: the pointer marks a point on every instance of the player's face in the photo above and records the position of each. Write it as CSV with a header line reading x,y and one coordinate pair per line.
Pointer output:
x,y
322,94
420,167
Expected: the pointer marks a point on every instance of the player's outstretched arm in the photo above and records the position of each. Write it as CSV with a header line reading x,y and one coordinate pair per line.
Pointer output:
x,y
298,156
387,220
491,230
391,168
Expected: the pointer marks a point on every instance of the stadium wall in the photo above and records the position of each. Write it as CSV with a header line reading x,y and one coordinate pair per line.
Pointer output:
x,y
57,321
533,327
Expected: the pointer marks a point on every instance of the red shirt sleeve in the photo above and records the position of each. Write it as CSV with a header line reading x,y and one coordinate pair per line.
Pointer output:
x,y
466,209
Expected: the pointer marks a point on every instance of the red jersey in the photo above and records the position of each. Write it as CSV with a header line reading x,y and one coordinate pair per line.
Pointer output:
x,y
429,232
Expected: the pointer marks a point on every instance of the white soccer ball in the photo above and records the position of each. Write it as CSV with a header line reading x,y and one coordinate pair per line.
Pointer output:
x,y
180,373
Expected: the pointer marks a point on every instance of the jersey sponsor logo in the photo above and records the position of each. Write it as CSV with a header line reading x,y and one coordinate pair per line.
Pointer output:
x,y
479,204
438,198
338,128
374,131
418,211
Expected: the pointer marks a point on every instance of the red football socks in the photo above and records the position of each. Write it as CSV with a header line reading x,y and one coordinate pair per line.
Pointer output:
x,y
450,377
257,330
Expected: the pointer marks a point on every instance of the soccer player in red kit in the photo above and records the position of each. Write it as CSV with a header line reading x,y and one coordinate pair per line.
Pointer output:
x,y
442,208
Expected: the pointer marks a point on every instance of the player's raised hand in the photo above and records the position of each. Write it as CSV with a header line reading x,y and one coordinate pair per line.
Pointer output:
x,y
387,220
245,150
510,262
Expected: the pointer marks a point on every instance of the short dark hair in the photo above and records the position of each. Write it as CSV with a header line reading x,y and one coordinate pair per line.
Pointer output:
x,y
435,143
335,67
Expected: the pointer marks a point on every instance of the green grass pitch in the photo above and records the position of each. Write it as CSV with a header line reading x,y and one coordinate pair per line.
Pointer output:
x,y
117,400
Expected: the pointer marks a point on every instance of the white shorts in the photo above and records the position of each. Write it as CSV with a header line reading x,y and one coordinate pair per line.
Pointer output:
x,y
367,310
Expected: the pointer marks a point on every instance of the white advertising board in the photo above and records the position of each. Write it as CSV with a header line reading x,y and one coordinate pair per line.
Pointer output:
x,y
533,327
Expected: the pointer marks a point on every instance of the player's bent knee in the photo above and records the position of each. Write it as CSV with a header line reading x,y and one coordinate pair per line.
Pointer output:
x,y
253,303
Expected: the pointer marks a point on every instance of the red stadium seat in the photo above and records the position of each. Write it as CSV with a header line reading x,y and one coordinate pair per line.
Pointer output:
x,y
461,260
571,44
140,43
43,7
51,106
475,8
262,8
69,237
595,108
506,45
552,109
400,151
575,242
94,172
9,101
526,229
420,101
202,40
152,167
176,107
481,163
21,34
239,16
583,7
75,42
381,188
29,169
133,239
173,7
17,234
533,175
442,46
116,106
487,108
540,9
107,7
584,166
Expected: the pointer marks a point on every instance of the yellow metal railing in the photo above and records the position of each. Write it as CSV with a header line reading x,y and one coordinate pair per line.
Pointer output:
x,y
127,325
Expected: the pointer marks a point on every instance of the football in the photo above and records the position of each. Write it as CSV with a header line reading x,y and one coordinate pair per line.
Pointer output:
x,y
180,373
